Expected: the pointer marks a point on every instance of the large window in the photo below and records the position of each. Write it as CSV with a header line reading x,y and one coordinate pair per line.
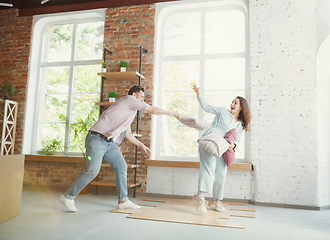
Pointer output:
x,y
67,84
205,43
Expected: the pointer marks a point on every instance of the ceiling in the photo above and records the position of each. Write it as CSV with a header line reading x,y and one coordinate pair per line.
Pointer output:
x,y
34,7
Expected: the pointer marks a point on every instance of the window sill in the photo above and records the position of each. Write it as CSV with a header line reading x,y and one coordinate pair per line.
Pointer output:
x,y
150,163
53,158
186,164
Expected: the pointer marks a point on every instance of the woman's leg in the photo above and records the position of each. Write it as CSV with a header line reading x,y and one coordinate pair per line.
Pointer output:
x,y
206,170
116,160
220,178
95,149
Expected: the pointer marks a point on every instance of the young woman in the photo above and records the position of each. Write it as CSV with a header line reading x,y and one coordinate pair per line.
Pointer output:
x,y
213,170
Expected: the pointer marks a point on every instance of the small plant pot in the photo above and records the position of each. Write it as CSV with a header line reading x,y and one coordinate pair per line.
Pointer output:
x,y
112,99
104,70
122,69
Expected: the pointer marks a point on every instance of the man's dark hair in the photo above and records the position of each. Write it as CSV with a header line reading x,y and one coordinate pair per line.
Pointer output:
x,y
135,89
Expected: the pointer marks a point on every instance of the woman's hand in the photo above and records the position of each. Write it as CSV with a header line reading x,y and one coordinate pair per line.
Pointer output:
x,y
194,87
231,146
178,115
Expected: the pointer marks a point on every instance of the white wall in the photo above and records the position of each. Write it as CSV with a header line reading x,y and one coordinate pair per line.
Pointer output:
x,y
323,111
290,157
283,99
323,100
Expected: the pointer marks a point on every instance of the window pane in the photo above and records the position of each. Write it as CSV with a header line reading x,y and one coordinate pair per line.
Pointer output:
x,y
58,43
221,78
86,79
83,104
182,102
53,107
177,75
178,140
225,32
90,41
51,137
55,79
239,151
225,74
182,34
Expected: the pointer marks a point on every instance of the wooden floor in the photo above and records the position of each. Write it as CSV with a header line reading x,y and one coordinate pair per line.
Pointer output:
x,y
183,211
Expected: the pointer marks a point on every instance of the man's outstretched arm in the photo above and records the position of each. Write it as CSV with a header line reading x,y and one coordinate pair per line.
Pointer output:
x,y
159,111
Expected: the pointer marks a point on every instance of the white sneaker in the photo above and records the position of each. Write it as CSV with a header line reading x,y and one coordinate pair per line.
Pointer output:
x,y
68,203
216,205
199,204
128,204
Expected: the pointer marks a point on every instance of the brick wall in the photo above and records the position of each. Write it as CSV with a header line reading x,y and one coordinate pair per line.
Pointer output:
x,y
52,174
15,43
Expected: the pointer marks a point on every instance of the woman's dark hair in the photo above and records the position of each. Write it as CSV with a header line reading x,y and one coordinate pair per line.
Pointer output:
x,y
245,113
135,89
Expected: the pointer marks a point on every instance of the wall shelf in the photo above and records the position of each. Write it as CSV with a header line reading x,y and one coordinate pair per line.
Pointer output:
x,y
104,104
121,76
130,75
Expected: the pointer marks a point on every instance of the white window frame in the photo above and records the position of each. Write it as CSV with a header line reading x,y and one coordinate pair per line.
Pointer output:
x,y
163,11
40,25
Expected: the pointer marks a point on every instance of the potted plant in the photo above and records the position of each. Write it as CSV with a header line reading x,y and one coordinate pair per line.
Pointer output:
x,y
104,66
7,89
123,65
112,96
80,130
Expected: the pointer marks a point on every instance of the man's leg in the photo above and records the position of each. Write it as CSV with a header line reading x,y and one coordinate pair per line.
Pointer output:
x,y
116,160
95,149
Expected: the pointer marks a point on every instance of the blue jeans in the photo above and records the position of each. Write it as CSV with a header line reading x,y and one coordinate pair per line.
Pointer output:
x,y
96,150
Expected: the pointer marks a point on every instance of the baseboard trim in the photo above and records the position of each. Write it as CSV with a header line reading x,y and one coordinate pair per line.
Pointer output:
x,y
284,205
278,205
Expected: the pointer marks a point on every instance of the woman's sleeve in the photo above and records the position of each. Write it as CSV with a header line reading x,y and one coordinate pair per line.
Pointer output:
x,y
194,122
206,107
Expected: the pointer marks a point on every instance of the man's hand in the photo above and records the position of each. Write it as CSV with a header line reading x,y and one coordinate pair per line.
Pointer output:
x,y
132,139
146,150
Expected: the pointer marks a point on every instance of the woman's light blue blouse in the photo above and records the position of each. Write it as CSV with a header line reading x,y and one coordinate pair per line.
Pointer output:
x,y
222,120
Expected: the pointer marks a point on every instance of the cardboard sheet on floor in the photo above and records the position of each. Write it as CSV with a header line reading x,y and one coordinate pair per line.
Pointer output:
x,y
183,211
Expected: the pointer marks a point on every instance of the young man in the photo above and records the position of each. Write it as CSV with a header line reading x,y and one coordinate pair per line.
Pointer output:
x,y
102,142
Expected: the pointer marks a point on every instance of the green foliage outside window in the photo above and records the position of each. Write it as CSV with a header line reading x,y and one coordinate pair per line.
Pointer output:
x,y
67,107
